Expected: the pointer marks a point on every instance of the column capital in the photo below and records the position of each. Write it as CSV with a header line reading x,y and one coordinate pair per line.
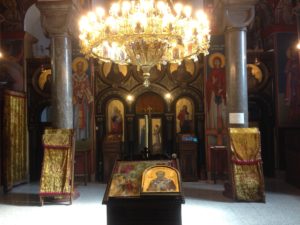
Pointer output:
x,y
57,17
238,13
234,13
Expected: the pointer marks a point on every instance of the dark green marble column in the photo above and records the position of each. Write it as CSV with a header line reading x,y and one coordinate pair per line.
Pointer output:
x,y
237,16
236,76
57,19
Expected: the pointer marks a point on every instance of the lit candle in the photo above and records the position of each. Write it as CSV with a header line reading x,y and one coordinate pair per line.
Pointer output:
x,y
147,131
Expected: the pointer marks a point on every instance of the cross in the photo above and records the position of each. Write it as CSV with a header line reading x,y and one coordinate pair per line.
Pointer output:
x,y
219,133
148,110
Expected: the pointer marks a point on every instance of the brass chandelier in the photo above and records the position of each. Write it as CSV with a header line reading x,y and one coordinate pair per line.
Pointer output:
x,y
144,33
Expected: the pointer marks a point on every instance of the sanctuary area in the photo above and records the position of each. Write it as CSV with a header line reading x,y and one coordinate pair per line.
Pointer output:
x,y
148,97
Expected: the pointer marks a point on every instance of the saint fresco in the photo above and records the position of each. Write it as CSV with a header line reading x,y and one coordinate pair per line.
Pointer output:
x,y
82,98
115,115
216,91
184,116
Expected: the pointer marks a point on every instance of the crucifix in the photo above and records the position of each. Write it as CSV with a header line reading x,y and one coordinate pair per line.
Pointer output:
x,y
148,110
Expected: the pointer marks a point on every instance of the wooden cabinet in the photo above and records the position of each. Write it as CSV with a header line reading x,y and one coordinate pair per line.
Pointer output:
x,y
112,148
187,149
218,162
82,160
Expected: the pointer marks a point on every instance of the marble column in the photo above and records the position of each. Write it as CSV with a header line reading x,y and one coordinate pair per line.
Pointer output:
x,y
57,19
238,15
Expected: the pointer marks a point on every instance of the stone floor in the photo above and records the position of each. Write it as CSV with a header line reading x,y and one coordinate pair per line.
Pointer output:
x,y
205,205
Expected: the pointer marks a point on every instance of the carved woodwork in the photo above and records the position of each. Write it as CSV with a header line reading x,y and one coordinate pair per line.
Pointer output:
x,y
112,148
188,157
115,82
219,166
261,105
38,100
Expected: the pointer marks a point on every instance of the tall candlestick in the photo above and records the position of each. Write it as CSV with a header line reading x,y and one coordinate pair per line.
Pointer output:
x,y
147,131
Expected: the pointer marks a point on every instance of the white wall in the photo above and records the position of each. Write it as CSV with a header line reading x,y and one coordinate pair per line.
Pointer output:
x,y
32,25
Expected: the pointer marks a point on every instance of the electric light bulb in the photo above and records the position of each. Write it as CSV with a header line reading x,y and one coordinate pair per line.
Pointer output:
x,y
161,6
298,45
83,23
129,98
100,12
168,96
145,5
143,19
92,16
188,11
178,8
199,15
81,37
126,7
110,21
168,19
115,9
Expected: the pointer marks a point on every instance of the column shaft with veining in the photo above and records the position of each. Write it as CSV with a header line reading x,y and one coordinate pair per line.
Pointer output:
x,y
61,53
237,16
236,79
57,19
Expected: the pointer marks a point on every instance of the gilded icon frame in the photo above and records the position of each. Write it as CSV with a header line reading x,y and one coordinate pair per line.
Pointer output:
x,y
161,180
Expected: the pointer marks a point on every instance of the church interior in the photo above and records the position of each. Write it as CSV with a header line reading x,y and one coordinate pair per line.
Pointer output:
x,y
99,112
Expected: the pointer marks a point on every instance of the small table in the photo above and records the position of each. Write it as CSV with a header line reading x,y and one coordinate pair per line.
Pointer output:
x,y
218,160
79,153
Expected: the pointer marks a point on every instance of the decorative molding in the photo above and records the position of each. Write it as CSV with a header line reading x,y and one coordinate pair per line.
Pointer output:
x,y
169,116
106,94
233,13
130,83
57,17
100,85
139,90
189,92
199,82
239,14
168,83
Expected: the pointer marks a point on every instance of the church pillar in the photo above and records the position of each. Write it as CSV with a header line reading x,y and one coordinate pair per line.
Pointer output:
x,y
237,17
57,18
236,79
